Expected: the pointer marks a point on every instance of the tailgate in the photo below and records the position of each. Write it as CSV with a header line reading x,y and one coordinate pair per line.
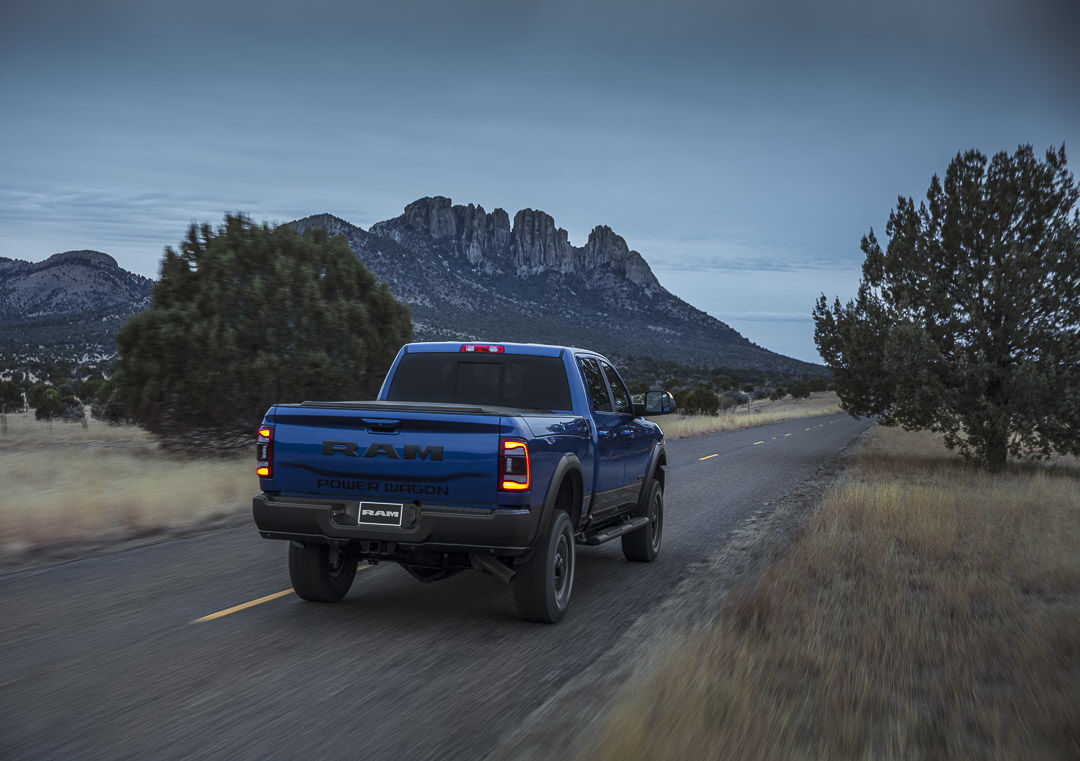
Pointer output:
x,y
388,455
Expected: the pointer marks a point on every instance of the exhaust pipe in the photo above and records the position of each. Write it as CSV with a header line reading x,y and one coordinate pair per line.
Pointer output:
x,y
487,563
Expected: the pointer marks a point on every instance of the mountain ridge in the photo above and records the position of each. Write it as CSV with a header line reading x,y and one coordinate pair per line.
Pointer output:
x,y
69,282
457,265
467,274
69,305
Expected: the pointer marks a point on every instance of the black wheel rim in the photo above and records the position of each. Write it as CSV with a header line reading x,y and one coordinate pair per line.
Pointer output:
x,y
563,569
656,522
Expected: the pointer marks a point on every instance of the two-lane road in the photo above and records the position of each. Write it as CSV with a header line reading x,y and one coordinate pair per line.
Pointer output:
x,y
195,648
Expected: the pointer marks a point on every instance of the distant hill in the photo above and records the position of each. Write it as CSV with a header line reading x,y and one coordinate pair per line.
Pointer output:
x,y
469,274
466,274
72,303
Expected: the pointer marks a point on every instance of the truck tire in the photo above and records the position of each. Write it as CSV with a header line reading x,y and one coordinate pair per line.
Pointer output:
x,y
319,575
542,586
643,545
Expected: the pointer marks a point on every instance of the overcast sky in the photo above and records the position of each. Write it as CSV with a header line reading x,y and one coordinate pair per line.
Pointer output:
x,y
742,147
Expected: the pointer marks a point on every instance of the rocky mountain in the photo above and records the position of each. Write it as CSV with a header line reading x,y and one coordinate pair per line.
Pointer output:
x,y
76,299
466,273
471,274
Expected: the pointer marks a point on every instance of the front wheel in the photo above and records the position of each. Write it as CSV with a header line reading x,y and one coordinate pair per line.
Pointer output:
x,y
319,572
643,545
542,586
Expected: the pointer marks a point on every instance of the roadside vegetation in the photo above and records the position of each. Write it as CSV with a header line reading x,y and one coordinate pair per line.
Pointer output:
x,y
761,412
67,483
927,609
88,482
967,322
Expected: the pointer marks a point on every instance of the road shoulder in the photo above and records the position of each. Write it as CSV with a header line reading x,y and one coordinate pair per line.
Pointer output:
x,y
568,721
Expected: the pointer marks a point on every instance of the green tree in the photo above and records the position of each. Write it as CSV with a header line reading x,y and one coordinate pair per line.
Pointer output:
x,y
248,315
637,387
35,395
49,407
90,387
10,396
817,383
968,322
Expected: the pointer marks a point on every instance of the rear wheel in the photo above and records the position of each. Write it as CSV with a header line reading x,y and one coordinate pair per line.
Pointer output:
x,y
643,545
319,572
543,585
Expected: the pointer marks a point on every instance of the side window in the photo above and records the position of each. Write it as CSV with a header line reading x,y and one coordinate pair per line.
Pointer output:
x,y
618,390
594,384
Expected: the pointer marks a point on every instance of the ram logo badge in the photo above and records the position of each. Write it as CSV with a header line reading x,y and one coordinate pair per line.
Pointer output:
x,y
408,452
380,513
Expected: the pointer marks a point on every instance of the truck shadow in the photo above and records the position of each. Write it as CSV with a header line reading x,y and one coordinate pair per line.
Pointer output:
x,y
387,596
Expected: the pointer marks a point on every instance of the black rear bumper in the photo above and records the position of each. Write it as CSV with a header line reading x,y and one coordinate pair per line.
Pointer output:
x,y
505,531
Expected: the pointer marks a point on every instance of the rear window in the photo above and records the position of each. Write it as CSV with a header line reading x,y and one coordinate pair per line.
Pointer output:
x,y
503,380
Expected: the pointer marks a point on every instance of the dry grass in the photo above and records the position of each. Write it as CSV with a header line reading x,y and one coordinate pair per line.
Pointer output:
x,y
62,483
763,412
927,610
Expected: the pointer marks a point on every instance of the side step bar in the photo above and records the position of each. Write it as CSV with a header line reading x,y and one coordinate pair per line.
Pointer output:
x,y
609,533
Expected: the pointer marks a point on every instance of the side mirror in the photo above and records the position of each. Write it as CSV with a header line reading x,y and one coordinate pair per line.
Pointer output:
x,y
659,403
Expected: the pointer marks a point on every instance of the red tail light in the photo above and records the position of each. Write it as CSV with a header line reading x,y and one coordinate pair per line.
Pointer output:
x,y
482,348
264,450
514,465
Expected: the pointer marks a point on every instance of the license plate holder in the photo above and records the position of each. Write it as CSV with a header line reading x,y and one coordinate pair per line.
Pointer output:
x,y
385,514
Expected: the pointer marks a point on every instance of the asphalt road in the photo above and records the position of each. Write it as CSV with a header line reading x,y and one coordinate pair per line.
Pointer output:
x,y
104,657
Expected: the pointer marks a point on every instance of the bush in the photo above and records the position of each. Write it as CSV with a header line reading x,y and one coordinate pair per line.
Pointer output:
x,y
800,390
722,383
727,401
701,401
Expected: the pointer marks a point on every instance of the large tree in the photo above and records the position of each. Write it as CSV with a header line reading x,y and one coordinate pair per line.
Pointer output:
x,y
968,322
248,315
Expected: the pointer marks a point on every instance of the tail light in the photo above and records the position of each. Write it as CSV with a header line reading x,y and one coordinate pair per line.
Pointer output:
x,y
514,468
264,450
482,348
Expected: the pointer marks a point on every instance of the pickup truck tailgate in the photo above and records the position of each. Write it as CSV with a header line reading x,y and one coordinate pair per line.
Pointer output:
x,y
385,453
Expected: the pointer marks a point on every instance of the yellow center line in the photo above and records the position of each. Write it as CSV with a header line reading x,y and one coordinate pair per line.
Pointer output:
x,y
251,603
756,443
786,435
243,606
709,457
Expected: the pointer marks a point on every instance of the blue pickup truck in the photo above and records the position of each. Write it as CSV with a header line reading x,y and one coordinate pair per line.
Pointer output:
x,y
495,457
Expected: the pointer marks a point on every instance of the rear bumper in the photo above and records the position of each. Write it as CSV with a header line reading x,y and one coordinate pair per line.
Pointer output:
x,y
502,531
